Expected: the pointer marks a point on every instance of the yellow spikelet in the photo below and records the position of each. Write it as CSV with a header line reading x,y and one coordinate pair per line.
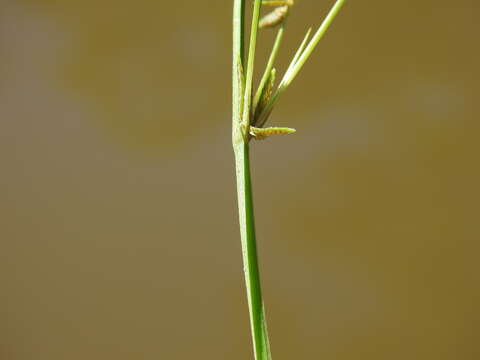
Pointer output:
x,y
263,133
274,18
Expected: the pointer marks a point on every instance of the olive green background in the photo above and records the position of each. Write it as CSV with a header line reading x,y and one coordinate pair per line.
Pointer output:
x,y
118,225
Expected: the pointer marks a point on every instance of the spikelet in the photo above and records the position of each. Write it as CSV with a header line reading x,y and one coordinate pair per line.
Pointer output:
x,y
263,133
274,18
265,96
267,90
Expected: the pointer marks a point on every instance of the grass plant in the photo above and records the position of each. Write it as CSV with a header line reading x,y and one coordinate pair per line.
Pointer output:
x,y
251,110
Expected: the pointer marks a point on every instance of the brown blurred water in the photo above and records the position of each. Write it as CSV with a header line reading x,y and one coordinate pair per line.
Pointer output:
x,y
118,222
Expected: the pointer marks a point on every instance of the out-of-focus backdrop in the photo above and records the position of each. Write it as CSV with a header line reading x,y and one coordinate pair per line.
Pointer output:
x,y
119,236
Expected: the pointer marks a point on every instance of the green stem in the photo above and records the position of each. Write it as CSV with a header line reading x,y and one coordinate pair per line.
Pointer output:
x,y
249,251
242,110
241,104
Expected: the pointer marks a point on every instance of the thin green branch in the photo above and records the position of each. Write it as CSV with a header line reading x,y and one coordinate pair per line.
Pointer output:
x,y
251,61
270,63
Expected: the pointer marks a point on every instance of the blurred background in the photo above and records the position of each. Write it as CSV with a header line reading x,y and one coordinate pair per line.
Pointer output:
x,y
118,226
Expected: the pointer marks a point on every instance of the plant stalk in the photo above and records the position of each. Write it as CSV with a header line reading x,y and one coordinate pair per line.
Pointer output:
x,y
242,88
243,125
249,251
